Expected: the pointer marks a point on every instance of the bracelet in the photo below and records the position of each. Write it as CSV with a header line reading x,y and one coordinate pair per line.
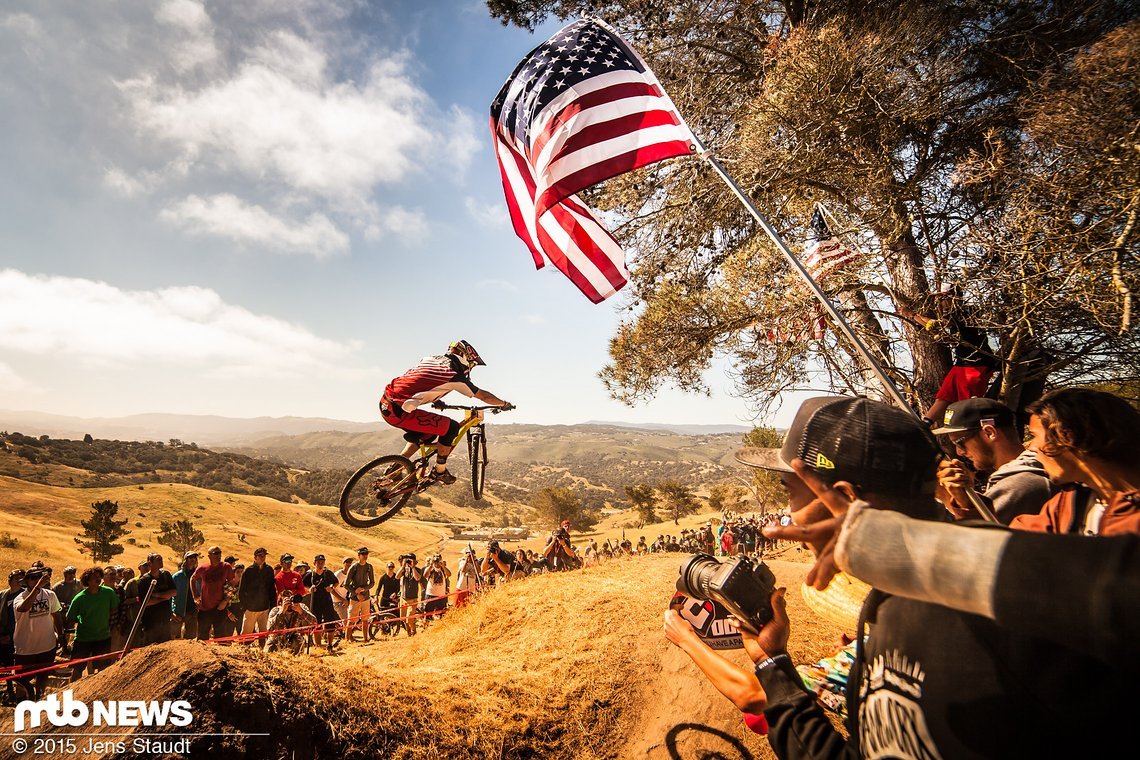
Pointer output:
x,y
765,664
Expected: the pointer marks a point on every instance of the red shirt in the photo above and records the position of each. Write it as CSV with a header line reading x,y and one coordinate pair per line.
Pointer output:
x,y
289,580
213,580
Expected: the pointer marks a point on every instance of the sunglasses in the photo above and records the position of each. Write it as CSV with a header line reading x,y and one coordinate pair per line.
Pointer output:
x,y
960,443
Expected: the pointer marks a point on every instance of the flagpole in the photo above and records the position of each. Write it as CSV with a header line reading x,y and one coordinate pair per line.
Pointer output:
x,y
839,320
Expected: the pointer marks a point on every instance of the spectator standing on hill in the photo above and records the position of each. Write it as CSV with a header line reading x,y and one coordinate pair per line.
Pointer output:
x,y
388,588
8,621
91,610
320,580
468,572
257,591
38,630
111,581
409,575
1088,441
235,610
288,579
359,581
984,431
340,595
435,594
67,588
131,604
157,610
185,625
208,584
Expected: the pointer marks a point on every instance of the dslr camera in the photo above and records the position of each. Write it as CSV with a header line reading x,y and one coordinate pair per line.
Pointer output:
x,y
744,587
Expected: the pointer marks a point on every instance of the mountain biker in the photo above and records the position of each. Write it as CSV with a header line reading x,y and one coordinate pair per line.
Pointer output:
x,y
427,382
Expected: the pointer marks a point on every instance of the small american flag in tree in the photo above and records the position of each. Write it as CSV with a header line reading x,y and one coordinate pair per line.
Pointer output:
x,y
827,253
580,108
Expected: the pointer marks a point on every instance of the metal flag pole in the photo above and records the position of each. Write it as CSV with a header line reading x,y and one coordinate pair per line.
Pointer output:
x,y
837,318
840,322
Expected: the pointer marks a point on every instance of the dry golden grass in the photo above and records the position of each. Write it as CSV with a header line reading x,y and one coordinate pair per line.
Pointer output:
x,y
46,519
554,666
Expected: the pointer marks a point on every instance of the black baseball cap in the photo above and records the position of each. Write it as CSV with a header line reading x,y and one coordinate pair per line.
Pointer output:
x,y
877,447
972,413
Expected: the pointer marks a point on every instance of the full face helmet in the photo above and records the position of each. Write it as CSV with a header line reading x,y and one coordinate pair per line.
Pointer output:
x,y
467,354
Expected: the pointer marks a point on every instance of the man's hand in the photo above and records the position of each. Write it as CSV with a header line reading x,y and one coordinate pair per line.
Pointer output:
x,y
821,534
773,637
677,629
954,478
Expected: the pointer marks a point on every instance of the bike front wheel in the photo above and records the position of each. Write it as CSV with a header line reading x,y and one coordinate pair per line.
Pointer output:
x,y
377,490
477,448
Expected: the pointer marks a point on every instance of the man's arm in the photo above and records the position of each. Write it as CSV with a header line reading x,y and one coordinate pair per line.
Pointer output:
x,y
31,594
740,686
490,398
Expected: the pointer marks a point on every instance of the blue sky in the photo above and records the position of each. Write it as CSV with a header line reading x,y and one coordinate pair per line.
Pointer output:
x,y
271,207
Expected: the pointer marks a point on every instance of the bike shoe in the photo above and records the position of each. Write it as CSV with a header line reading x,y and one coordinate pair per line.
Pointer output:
x,y
444,477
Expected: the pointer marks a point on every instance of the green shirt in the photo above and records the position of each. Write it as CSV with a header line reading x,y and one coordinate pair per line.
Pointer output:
x,y
93,613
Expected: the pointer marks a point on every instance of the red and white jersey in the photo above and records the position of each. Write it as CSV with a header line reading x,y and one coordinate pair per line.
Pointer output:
x,y
433,378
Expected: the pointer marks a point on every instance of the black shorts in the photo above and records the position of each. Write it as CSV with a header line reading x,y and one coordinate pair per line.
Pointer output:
x,y
435,604
83,649
325,615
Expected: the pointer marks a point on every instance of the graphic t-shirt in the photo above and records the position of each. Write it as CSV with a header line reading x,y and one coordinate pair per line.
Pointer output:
x,y
35,628
92,613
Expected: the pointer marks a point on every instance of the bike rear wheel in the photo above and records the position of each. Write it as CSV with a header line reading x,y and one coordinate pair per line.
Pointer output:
x,y
377,490
477,449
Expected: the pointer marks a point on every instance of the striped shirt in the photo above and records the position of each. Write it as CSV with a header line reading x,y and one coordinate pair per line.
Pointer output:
x,y
432,378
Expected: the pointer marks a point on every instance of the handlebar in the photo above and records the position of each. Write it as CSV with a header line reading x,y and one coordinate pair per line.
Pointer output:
x,y
474,408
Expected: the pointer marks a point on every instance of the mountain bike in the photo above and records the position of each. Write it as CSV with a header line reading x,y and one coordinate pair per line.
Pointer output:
x,y
378,490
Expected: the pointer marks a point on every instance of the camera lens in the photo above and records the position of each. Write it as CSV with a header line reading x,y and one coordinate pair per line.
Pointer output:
x,y
696,574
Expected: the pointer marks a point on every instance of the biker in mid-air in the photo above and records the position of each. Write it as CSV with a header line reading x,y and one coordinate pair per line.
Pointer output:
x,y
427,382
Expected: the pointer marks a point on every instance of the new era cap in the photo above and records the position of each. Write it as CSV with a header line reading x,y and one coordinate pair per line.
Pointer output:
x,y
969,414
877,447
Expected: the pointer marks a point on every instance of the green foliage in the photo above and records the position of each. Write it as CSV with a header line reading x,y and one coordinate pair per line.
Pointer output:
x,y
764,485
553,505
643,499
101,532
677,500
181,536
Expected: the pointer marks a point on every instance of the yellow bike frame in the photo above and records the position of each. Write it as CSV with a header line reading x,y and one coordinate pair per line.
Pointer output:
x,y
470,420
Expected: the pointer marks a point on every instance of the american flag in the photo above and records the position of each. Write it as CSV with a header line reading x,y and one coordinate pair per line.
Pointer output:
x,y
826,254
580,108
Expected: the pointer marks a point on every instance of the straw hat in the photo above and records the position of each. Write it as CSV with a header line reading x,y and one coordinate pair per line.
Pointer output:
x,y
840,602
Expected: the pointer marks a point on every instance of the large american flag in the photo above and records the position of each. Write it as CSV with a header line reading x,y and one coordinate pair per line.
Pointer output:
x,y
580,108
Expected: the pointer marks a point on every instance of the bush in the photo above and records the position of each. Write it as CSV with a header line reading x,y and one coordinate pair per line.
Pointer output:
x,y
8,541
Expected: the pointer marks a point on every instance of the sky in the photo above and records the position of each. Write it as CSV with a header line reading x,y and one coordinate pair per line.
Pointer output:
x,y
271,208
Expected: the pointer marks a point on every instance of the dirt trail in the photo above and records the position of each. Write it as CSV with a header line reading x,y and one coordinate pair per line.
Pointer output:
x,y
557,666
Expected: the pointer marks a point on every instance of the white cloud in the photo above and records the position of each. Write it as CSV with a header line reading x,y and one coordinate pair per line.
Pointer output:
x,y
96,322
194,45
228,216
492,215
21,23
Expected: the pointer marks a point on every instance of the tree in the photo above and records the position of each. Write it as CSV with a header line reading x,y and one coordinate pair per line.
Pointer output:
x,y
556,504
101,532
888,114
677,500
182,536
764,484
725,497
643,499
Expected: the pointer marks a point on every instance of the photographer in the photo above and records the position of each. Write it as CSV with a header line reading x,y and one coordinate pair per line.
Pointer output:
x,y
288,615
410,577
468,576
435,598
930,681
558,552
498,564
739,685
